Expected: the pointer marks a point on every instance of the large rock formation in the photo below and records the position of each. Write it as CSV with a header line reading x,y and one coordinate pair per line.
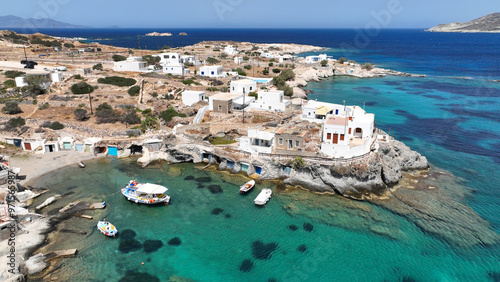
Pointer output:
x,y
488,23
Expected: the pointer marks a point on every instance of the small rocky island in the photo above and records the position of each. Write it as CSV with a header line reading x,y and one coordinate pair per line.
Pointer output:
x,y
488,23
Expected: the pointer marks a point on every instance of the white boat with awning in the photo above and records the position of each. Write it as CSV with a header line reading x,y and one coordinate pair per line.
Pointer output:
x,y
145,193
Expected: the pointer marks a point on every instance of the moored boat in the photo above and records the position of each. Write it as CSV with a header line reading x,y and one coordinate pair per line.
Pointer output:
x,y
247,186
263,197
145,193
107,228
69,206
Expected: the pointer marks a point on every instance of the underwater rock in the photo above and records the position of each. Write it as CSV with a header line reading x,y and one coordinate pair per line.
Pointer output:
x,y
215,189
272,279
131,245
494,276
263,251
293,227
217,211
308,227
246,265
302,248
407,279
152,245
228,215
133,276
189,177
200,186
204,179
176,241
127,234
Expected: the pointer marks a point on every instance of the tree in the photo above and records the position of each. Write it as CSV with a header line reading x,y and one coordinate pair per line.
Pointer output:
x,y
247,67
149,122
276,70
265,72
117,81
341,60
118,58
13,74
55,125
131,117
81,114
82,88
241,72
11,108
36,85
134,90
211,60
324,63
246,58
97,67
151,60
15,122
367,66
253,94
105,114
287,74
168,114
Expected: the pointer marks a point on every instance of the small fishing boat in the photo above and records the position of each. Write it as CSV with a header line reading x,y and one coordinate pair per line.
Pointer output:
x,y
80,164
107,228
263,197
69,206
247,186
145,193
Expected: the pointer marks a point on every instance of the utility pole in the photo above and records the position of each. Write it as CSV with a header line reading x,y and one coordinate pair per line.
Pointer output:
x,y
90,102
345,126
243,105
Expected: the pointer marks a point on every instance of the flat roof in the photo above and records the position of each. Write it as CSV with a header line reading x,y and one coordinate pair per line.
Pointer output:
x,y
243,81
225,96
335,120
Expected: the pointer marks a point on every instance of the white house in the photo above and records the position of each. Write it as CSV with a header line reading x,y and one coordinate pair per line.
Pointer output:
x,y
230,50
243,86
315,111
191,59
317,58
56,76
259,140
177,69
287,58
169,58
349,134
135,64
21,83
211,71
192,97
238,60
271,101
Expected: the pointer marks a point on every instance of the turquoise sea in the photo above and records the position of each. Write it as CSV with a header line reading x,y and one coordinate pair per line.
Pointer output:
x,y
451,116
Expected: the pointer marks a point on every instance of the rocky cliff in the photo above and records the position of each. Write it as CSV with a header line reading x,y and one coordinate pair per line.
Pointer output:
x,y
488,23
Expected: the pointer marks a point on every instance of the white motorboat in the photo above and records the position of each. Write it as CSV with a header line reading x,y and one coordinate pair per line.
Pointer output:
x,y
247,186
263,197
145,193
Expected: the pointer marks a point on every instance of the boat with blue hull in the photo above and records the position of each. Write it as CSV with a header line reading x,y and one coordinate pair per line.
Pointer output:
x,y
145,193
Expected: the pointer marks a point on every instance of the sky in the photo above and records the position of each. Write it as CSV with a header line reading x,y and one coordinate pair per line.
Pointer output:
x,y
253,13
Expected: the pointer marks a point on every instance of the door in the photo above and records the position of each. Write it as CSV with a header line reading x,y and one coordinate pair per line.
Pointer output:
x,y
113,151
87,148
290,144
67,146
27,146
335,138
17,142
79,147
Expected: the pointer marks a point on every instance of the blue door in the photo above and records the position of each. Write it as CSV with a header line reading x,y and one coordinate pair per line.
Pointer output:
x,y
79,147
17,142
258,169
113,151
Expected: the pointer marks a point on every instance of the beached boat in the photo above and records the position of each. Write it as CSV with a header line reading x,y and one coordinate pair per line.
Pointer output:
x,y
145,193
80,164
247,186
263,197
107,228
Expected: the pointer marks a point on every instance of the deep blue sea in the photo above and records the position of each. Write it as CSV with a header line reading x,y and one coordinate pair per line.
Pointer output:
x,y
452,116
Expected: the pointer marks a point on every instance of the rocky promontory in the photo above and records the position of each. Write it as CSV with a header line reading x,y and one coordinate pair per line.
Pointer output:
x,y
488,23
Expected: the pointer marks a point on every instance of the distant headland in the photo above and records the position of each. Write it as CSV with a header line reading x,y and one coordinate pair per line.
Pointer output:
x,y
488,23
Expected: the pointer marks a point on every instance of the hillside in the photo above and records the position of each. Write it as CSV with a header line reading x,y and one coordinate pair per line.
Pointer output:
x,y
17,22
488,23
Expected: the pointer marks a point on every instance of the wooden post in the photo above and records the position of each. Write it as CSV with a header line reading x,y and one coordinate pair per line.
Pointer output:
x,y
90,102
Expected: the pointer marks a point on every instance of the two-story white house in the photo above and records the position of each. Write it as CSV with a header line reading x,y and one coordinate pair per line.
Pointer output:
x,y
172,63
230,50
258,140
273,100
315,111
348,134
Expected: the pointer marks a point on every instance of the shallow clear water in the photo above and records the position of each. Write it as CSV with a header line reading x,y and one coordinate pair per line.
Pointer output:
x,y
340,247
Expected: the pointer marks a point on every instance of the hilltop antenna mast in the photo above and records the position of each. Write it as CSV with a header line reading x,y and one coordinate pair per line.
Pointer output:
x,y
25,56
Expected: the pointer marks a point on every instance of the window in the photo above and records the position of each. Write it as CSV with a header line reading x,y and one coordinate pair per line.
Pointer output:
x,y
341,137
220,107
212,72
269,107
202,73
250,88
233,88
350,129
328,136
309,113
280,141
297,143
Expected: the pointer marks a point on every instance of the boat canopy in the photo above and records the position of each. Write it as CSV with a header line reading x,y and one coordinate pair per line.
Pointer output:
x,y
149,188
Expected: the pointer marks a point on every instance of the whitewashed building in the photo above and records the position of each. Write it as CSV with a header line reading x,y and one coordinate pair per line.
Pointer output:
x,y
133,64
243,86
192,97
212,71
173,63
190,59
317,58
348,134
168,58
21,83
315,111
271,101
258,140
231,50
238,60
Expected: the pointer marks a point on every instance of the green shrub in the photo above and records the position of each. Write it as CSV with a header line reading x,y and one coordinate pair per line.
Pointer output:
x,y
105,114
341,60
77,76
189,81
149,122
212,89
168,114
15,122
97,67
80,114
134,90
13,74
69,45
118,58
9,83
147,112
131,117
324,63
117,81
241,72
265,72
276,70
11,108
151,60
56,125
367,66
44,106
211,60
253,94
271,64
247,67
246,58
81,88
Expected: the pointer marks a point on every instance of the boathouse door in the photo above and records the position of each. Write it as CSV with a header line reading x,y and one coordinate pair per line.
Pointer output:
x,y
335,138
27,146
